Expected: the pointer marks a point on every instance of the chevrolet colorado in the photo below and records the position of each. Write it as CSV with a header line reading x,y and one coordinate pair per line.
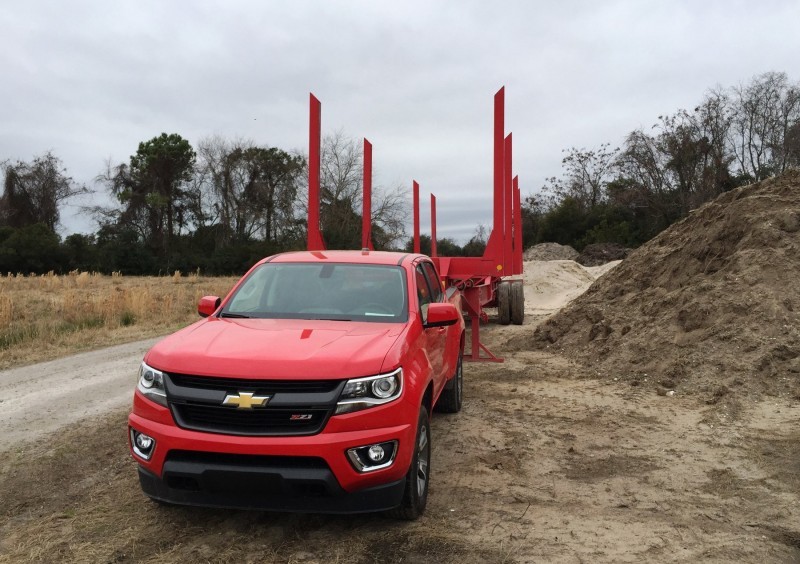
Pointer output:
x,y
308,388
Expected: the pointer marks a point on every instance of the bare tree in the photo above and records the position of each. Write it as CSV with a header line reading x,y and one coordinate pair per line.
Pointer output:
x,y
586,175
34,191
252,189
765,112
712,121
341,183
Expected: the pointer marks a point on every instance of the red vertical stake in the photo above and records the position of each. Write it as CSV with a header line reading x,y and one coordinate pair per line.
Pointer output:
x,y
314,240
416,217
433,226
508,235
494,247
499,147
517,228
366,215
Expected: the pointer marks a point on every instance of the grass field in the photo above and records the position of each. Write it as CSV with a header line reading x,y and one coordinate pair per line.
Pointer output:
x,y
49,316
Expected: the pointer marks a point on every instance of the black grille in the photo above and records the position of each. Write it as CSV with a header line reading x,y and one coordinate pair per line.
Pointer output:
x,y
294,407
259,421
258,386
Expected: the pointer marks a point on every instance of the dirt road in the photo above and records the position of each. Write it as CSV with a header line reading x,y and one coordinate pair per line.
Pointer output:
x,y
545,464
39,399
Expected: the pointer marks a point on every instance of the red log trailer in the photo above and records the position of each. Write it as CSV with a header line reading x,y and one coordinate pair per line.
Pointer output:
x,y
490,281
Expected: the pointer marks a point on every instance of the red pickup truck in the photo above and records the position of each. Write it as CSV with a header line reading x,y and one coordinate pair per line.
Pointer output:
x,y
308,388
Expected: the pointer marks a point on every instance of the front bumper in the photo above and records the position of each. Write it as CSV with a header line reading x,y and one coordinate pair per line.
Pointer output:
x,y
200,468
267,485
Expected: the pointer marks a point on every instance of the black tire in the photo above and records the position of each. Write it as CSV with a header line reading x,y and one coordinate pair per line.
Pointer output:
x,y
418,478
504,302
517,303
451,398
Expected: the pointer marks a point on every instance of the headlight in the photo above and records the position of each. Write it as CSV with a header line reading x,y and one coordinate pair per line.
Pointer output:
x,y
151,384
362,393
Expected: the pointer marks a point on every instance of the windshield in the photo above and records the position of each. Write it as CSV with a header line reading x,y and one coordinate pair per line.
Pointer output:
x,y
344,292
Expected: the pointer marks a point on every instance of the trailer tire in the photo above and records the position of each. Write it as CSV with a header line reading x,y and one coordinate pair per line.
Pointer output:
x,y
517,303
504,302
418,478
451,398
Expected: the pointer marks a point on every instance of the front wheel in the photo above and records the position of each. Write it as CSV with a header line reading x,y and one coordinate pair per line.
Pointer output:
x,y
451,399
415,494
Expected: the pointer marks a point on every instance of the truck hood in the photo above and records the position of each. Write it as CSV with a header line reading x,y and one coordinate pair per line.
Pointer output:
x,y
276,348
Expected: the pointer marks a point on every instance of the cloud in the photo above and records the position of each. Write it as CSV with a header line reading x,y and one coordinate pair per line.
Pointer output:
x,y
90,80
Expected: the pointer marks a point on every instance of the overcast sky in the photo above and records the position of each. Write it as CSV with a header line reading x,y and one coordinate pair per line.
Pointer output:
x,y
90,80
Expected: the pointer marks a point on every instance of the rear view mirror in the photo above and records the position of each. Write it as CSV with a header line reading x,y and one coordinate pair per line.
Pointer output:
x,y
207,305
441,315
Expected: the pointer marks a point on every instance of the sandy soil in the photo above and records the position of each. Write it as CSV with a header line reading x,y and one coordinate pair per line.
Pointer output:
x,y
544,463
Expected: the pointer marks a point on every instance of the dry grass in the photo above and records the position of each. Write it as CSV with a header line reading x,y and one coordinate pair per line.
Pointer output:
x,y
44,317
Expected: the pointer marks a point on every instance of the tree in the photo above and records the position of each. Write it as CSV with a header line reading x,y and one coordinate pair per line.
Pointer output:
x,y
253,189
32,248
444,247
586,174
532,211
477,243
341,199
765,111
34,191
153,190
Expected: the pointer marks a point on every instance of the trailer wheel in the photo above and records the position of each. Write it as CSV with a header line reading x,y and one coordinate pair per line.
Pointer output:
x,y
415,496
504,302
517,303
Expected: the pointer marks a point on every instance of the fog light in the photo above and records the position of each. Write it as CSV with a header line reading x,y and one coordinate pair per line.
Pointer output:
x,y
373,457
142,444
376,453
143,441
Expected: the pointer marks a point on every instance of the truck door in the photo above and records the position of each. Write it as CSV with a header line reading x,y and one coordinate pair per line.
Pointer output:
x,y
431,291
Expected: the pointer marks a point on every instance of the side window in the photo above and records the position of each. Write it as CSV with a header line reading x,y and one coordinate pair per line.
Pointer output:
x,y
434,282
423,292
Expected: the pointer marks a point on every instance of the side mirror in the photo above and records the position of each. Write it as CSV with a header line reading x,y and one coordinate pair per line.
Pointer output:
x,y
208,305
441,315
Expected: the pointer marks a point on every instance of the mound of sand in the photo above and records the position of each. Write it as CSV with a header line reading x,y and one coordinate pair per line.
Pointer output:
x,y
601,253
551,285
550,251
711,304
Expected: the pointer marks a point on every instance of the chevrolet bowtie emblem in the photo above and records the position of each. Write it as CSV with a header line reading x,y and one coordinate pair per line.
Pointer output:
x,y
245,400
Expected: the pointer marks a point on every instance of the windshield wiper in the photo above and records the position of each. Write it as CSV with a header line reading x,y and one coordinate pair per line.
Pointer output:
x,y
234,315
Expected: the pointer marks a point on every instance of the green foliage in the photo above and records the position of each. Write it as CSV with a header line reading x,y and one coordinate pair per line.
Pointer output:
x,y
444,247
120,249
565,223
34,248
157,201
80,252
252,190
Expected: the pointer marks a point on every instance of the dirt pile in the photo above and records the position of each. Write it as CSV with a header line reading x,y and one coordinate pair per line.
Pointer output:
x,y
598,254
550,285
550,251
710,305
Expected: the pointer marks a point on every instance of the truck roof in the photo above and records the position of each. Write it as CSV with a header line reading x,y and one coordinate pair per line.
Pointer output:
x,y
352,257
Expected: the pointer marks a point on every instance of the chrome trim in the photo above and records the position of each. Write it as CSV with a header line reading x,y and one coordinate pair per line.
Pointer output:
x,y
354,460
135,448
153,393
357,404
